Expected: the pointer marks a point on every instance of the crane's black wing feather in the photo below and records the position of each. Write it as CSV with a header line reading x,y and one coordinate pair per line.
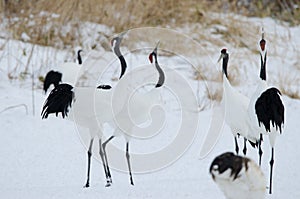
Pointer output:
x,y
58,101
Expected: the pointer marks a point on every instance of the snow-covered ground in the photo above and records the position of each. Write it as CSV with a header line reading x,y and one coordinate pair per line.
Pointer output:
x,y
47,158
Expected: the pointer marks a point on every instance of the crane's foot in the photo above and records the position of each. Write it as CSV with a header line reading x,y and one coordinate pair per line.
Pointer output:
x,y
109,180
131,182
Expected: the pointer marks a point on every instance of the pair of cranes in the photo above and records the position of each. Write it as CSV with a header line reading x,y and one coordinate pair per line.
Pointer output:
x,y
91,107
262,114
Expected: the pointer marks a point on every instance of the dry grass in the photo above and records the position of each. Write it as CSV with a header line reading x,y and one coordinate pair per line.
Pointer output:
x,y
214,93
289,85
124,14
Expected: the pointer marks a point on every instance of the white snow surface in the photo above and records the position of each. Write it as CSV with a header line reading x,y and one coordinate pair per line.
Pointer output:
x,y
47,158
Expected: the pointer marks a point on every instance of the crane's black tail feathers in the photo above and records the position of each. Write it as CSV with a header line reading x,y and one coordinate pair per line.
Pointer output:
x,y
270,109
58,101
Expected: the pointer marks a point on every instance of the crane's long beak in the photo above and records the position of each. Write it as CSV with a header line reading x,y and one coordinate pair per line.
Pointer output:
x,y
157,44
221,56
155,49
118,37
121,35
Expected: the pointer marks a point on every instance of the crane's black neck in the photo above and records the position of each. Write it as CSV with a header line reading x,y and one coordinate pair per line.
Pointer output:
x,y
120,56
225,64
79,57
263,61
161,73
123,65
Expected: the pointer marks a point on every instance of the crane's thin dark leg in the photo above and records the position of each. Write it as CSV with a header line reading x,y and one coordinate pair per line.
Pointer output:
x,y
109,179
260,152
245,146
236,145
128,162
89,164
271,170
103,162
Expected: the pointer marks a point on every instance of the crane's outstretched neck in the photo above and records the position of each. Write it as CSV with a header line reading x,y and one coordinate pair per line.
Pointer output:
x,y
225,57
115,42
123,65
161,73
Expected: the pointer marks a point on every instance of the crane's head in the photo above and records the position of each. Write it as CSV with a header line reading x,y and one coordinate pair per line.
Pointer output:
x,y
116,41
227,162
153,53
223,54
262,44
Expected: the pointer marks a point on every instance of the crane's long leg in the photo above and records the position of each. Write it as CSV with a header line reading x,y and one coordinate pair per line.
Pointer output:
x,y
245,146
103,161
128,162
260,152
89,164
236,145
109,179
271,170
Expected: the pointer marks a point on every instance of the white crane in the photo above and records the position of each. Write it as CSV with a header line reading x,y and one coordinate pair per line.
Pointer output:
x,y
266,110
81,102
235,107
238,177
139,106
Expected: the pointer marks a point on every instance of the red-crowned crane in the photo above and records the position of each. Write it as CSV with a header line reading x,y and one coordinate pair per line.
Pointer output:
x,y
141,103
78,104
235,107
266,110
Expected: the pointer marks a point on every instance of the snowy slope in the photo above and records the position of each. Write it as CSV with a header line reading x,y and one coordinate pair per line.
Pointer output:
x,y
47,158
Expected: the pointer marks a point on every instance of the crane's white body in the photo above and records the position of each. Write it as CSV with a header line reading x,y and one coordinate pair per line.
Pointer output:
x,y
235,106
91,106
135,111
